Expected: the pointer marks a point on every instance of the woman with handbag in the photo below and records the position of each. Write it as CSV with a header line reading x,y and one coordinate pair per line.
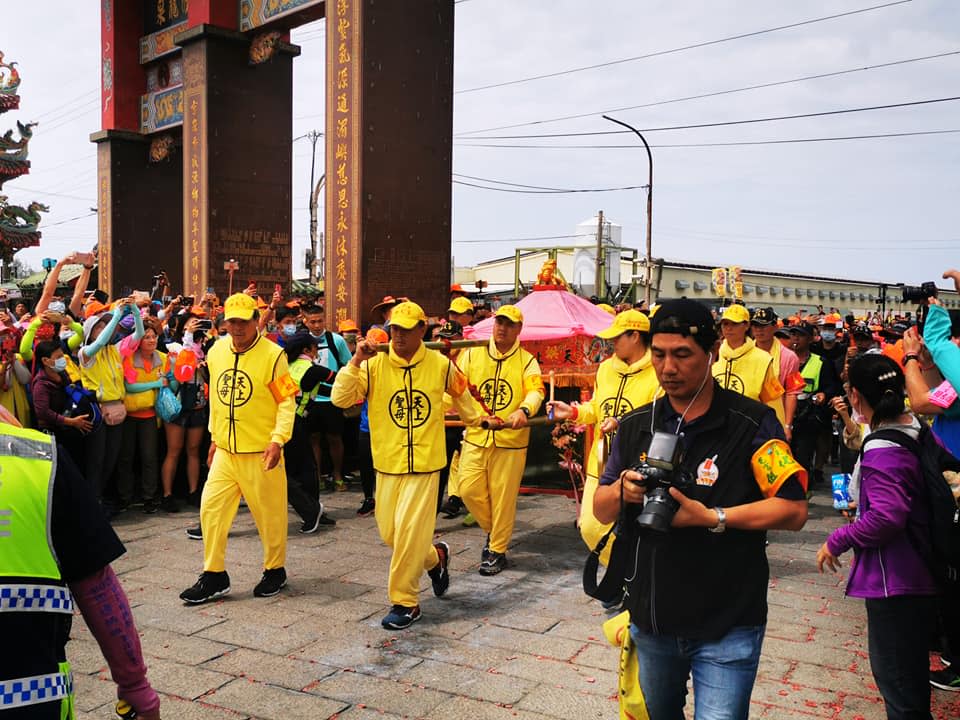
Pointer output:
x,y
101,370
50,402
145,372
186,431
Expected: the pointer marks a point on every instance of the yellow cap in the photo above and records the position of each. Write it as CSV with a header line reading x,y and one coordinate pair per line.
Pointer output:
x,y
407,315
736,313
460,305
627,320
510,312
607,308
239,306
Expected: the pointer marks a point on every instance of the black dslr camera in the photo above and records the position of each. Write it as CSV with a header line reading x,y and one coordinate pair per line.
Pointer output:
x,y
920,296
660,470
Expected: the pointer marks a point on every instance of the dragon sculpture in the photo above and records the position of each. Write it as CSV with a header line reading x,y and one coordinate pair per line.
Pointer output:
x,y
9,83
18,225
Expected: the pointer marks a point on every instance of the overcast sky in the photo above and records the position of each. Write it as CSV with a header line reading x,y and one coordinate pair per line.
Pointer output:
x,y
878,209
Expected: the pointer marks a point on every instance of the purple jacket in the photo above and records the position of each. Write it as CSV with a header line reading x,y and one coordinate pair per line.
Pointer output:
x,y
885,562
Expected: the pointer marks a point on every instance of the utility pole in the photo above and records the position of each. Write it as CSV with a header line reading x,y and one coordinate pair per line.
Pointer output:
x,y
313,136
599,283
649,261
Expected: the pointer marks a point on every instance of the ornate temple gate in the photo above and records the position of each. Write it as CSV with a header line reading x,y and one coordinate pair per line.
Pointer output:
x,y
194,158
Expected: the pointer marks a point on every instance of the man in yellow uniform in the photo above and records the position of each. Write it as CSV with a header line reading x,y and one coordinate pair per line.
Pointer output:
x,y
252,408
625,382
507,378
404,390
742,366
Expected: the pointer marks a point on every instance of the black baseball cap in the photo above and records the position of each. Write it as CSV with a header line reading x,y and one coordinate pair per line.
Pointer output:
x,y
801,329
685,317
449,329
763,316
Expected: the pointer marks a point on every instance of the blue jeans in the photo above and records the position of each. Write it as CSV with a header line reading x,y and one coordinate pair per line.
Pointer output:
x,y
723,673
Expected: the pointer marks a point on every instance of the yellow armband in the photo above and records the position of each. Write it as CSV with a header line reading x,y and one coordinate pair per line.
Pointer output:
x,y
773,465
283,387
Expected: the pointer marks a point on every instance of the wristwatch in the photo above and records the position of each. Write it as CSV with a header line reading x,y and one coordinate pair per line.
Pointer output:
x,y
721,521
525,411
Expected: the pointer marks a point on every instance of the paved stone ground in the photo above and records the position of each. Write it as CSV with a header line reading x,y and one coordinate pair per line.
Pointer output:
x,y
524,645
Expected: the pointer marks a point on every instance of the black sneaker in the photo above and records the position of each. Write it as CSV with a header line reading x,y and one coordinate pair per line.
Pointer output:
x,y
311,525
193,499
195,533
452,507
150,506
169,504
946,659
485,553
400,617
440,576
270,583
493,563
367,507
209,586
945,679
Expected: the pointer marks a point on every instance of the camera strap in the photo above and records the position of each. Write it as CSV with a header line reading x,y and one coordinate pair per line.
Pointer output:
x,y
611,587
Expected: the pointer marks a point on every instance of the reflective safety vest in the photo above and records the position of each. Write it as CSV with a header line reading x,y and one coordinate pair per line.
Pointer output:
x,y
811,375
30,580
298,369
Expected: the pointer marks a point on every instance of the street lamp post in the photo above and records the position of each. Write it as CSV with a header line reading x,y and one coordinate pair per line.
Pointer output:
x,y
649,263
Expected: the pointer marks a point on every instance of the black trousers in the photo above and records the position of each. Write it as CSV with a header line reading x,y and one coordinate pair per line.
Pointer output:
x,y
102,453
453,438
301,471
368,476
898,631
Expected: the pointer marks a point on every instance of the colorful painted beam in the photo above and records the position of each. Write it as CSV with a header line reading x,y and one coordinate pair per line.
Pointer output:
x,y
257,13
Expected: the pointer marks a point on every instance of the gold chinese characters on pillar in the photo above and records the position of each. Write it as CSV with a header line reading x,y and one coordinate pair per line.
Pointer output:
x,y
342,222
105,217
195,220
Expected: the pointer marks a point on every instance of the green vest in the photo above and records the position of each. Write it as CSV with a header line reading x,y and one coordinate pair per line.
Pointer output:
x,y
30,579
811,375
298,368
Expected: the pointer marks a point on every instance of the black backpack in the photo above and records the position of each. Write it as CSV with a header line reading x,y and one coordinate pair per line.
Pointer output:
x,y
944,557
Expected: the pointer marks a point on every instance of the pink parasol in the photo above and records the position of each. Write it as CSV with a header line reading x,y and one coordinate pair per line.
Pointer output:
x,y
553,314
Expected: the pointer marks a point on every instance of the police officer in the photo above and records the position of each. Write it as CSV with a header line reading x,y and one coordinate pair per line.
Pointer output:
x,y
55,553
697,591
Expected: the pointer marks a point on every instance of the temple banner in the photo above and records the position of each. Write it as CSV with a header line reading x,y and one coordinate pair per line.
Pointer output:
x,y
256,13
161,110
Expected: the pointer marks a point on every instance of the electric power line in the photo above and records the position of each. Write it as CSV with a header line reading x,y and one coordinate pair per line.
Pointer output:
x,y
693,46
538,188
55,194
701,96
525,239
725,123
788,141
547,192
69,220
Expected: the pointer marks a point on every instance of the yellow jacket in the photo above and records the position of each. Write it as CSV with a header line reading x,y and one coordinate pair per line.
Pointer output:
x,y
251,396
750,371
619,389
506,382
405,406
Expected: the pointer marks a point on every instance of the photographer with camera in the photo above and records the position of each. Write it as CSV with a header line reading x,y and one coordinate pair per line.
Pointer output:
x,y
696,479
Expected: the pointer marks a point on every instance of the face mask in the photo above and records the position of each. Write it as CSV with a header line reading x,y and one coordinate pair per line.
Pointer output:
x,y
60,364
66,334
828,336
57,307
289,330
316,337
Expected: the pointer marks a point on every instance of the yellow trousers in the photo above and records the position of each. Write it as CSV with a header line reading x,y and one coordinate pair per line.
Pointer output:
x,y
266,494
453,479
591,529
489,484
406,514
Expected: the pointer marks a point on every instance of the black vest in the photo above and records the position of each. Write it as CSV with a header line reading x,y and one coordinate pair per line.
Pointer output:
x,y
689,582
